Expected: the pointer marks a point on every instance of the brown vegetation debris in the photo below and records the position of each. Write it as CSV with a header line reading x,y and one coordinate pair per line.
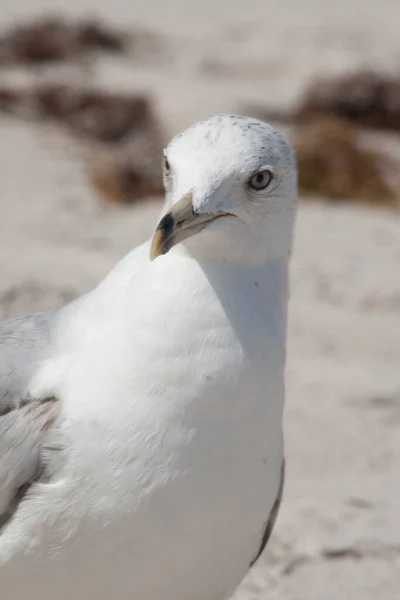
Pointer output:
x,y
104,116
120,179
129,139
364,97
333,164
57,39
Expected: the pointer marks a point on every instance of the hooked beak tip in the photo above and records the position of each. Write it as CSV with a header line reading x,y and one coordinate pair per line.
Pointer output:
x,y
165,236
162,237
157,245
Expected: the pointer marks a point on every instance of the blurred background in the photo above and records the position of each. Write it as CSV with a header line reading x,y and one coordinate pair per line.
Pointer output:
x,y
89,94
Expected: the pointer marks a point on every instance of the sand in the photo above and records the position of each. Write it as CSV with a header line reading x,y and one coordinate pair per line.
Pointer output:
x,y
338,532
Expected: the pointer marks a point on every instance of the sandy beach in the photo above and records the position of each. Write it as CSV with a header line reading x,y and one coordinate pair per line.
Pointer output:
x,y
337,536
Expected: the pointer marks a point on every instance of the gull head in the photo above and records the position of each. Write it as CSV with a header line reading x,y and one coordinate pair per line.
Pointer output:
x,y
230,192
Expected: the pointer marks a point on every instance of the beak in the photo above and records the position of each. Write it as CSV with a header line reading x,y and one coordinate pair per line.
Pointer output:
x,y
178,225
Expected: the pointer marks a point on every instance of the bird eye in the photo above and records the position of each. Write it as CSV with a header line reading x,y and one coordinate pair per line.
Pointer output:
x,y
167,166
259,181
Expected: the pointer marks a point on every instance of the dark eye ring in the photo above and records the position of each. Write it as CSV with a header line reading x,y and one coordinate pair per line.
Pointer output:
x,y
260,180
167,166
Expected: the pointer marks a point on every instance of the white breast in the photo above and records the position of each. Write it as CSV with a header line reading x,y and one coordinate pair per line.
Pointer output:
x,y
175,437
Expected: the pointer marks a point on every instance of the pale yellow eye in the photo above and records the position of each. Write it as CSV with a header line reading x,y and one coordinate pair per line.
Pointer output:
x,y
260,180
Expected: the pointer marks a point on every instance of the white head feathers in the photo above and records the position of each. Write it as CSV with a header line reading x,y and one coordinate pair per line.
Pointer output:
x,y
238,168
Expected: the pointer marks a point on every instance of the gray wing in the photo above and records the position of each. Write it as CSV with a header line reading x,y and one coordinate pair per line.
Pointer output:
x,y
25,343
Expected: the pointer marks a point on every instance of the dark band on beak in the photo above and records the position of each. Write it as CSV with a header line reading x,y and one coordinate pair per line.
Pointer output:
x,y
163,236
169,230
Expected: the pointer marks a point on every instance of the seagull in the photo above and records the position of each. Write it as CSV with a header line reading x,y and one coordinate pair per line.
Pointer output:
x,y
141,442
